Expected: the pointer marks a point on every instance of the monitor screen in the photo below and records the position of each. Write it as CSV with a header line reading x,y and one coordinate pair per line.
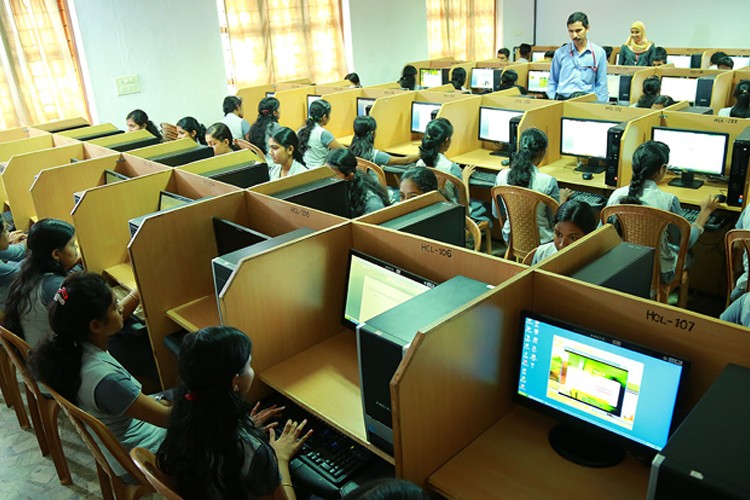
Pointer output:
x,y
584,138
538,80
678,88
740,62
110,177
593,379
679,61
270,94
168,201
430,77
613,87
242,176
364,105
482,78
701,152
374,286
494,123
423,113
537,56
231,236
311,98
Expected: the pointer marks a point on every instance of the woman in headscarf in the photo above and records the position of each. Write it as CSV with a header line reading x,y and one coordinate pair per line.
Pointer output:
x,y
637,50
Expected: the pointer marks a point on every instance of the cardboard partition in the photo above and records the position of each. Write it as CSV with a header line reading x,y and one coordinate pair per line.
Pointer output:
x,y
61,125
82,132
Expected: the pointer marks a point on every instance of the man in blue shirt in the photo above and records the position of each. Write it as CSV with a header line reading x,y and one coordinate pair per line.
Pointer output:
x,y
578,66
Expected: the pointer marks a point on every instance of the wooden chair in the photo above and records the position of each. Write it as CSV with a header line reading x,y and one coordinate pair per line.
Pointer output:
x,y
463,198
367,166
736,241
520,205
9,388
243,144
168,131
43,409
93,432
645,226
146,463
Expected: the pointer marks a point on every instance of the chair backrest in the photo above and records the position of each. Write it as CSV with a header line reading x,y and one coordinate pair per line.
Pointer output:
x,y
735,241
18,351
476,234
645,226
169,131
367,166
243,144
461,189
520,205
146,463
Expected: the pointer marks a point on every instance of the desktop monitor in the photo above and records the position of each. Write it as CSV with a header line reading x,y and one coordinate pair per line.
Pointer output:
x,y
494,124
110,177
444,222
679,88
537,56
177,158
311,98
740,62
231,236
679,61
423,113
364,104
374,286
538,80
693,152
270,94
430,77
613,87
585,138
330,195
483,78
610,393
242,176
168,201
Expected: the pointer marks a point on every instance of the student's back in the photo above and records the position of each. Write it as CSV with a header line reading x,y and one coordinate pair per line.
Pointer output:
x,y
315,141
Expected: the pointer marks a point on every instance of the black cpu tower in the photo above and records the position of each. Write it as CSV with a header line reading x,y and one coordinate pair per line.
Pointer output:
x,y
703,90
738,169
624,93
614,136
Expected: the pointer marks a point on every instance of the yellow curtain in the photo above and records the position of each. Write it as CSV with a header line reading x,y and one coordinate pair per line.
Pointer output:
x,y
39,82
464,29
277,40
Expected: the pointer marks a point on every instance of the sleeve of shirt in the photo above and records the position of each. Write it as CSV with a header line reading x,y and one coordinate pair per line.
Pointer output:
x,y
695,232
262,476
326,138
455,170
554,75
742,221
381,158
733,313
8,272
50,286
554,190
115,393
245,125
14,253
602,93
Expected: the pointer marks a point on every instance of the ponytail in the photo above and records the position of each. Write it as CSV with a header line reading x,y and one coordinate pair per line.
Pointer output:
x,y
286,137
648,159
436,133
741,108
140,118
651,90
318,110
532,145
364,137
190,125
359,183
408,77
266,116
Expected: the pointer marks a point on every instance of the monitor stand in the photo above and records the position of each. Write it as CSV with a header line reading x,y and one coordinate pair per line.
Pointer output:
x,y
583,448
686,180
592,166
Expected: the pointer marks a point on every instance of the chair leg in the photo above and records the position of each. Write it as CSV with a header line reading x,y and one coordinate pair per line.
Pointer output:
x,y
49,411
684,289
36,420
9,373
104,483
488,240
7,396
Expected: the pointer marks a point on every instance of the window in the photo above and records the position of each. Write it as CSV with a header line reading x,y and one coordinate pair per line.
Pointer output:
x,y
464,29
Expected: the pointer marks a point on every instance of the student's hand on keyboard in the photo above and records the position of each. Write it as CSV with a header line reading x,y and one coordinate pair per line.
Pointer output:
x,y
260,417
466,173
565,194
708,205
290,440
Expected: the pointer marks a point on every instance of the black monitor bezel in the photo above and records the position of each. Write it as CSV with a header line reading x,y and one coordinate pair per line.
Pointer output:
x,y
574,118
676,168
479,123
411,115
492,83
163,193
368,99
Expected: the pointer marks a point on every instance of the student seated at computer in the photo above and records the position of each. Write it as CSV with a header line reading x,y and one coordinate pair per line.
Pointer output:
x,y
662,101
548,55
233,117
660,57
651,90
354,80
191,128
366,194
743,222
637,49
741,108
84,314
219,138
408,80
508,80
573,220
417,181
218,444
715,57
503,55
266,125
650,162
524,53
285,154
12,253
138,120
523,172
725,63
458,80
435,142
364,139
314,140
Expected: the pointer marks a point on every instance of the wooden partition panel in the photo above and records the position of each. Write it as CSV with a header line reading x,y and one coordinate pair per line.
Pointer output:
x,y
292,181
27,145
387,85
343,109
706,59
393,115
162,149
240,157
589,248
293,106
56,125
273,217
111,141
636,133
718,93
78,133
546,119
464,116
721,94
636,83
14,134
251,97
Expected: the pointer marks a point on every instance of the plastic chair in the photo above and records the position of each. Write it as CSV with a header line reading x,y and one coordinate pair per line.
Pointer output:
x,y
93,432
529,257
146,463
645,226
43,409
463,198
521,209
735,241
9,388
243,144
367,166
475,233
168,131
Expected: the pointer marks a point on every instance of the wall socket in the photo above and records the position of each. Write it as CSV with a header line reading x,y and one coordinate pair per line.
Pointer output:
x,y
127,84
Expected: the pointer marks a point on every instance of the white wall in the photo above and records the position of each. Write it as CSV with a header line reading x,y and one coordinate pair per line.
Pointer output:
x,y
515,19
173,46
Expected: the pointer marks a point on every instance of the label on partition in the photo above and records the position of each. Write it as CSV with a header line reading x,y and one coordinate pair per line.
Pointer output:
x,y
677,322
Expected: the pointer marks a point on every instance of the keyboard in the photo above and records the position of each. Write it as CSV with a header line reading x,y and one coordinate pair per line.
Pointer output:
x,y
593,199
484,178
714,223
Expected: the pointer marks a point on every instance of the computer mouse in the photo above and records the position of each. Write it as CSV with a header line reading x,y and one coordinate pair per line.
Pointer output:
x,y
721,198
587,176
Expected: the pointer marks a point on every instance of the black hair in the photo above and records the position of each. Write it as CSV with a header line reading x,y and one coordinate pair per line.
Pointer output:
x,y
364,135
266,109
286,137
532,145
203,448
741,108
508,79
408,78
660,54
359,182
56,361
725,61
579,213
524,50
607,50
576,17
354,78
231,102
435,134
458,78
388,489
549,54
220,131
318,110
651,90
648,160
190,125
45,236
504,51
140,118
663,100
423,177
716,56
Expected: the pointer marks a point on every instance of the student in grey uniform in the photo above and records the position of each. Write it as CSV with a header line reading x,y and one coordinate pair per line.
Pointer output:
x,y
362,145
573,220
74,362
738,311
266,125
365,194
285,154
12,253
417,181
219,138
216,444
191,128
315,141
435,142
233,117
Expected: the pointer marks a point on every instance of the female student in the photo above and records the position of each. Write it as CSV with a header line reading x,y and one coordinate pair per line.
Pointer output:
x,y
74,362
637,49
266,125
365,194
354,80
523,172
191,128
12,252
458,80
662,101
573,220
233,117
417,181
285,152
315,141
215,445
435,142
219,138
651,90
650,162
138,120
741,108
508,80
408,80
364,139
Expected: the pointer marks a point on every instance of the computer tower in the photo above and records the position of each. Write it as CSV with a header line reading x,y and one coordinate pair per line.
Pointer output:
x,y
703,90
614,136
738,169
699,110
626,268
383,340
624,94
706,457
696,60
513,136
445,75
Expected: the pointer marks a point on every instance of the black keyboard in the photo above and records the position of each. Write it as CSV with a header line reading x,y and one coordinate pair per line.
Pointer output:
x,y
484,178
593,199
714,223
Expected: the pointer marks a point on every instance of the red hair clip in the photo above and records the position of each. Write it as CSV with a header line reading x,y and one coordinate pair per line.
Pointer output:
x,y
190,396
61,296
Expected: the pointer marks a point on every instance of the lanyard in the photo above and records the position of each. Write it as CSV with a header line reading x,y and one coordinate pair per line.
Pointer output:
x,y
575,59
